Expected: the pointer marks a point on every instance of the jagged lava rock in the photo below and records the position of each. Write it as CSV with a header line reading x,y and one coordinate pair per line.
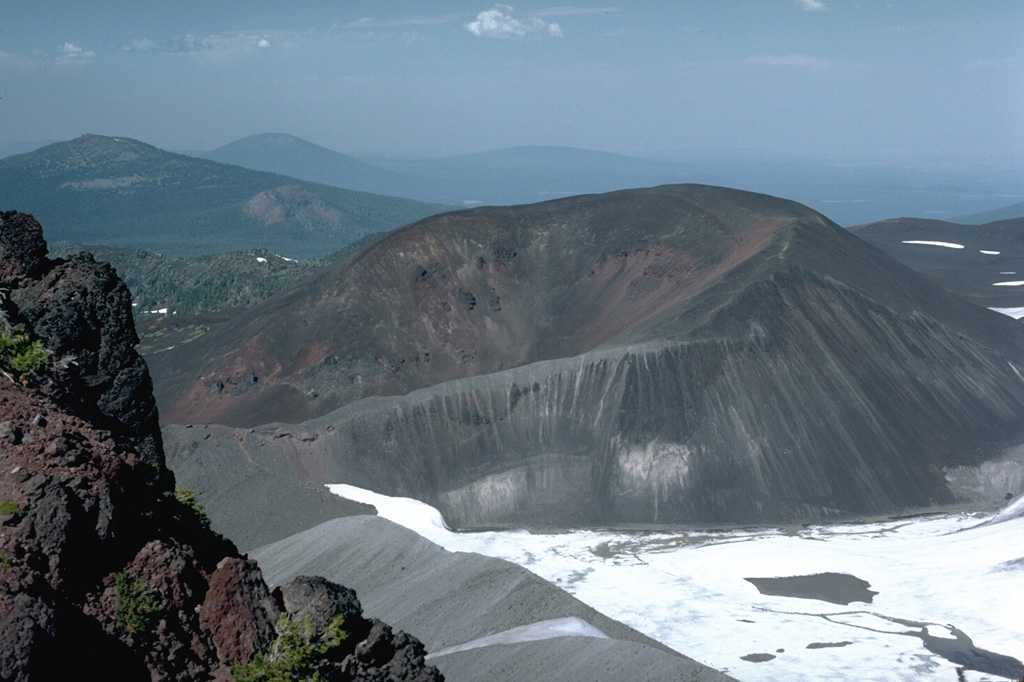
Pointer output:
x,y
100,566
82,312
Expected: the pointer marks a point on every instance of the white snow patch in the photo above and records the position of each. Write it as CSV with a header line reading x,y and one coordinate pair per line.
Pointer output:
x,y
938,631
989,253
1013,510
405,511
1008,272
942,573
261,259
1015,313
543,629
948,245
158,311
1009,284
290,260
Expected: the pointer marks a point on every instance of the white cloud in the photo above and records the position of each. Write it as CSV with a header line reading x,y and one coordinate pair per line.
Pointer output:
x,y
237,41
72,51
141,45
812,5
499,23
796,61
370,22
567,11
13,59
252,41
1005,62
68,55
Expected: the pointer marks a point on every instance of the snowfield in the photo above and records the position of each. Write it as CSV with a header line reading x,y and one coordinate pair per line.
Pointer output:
x,y
545,629
1015,313
949,590
948,245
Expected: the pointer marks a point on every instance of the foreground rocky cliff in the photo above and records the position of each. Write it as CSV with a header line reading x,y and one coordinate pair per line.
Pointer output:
x,y
680,354
101,566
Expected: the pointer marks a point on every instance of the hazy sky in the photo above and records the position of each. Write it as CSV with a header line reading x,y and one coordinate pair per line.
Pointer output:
x,y
838,78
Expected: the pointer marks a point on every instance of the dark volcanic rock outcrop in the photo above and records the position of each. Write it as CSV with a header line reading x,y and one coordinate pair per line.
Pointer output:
x,y
681,354
82,313
101,567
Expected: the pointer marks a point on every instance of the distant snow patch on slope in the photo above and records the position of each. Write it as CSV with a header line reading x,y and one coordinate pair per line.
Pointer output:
x,y
989,253
1008,284
1015,313
948,245
544,629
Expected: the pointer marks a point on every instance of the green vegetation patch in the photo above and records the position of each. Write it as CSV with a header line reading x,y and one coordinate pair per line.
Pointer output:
x,y
27,358
137,606
8,507
202,284
296,654
187,497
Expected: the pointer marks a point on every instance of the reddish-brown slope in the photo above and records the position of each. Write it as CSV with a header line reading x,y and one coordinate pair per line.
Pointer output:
x,y
470,293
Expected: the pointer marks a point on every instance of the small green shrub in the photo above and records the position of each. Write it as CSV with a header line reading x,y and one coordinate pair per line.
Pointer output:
x,y
187,497
295,654
25,357
136,606
8,507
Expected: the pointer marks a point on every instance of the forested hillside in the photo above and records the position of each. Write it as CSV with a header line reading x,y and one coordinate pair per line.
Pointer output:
x,y
119,191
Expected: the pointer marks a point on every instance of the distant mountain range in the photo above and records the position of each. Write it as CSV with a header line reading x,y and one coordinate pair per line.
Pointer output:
x,y
1004,213
682,354
122,192
849,193
291,156
515,175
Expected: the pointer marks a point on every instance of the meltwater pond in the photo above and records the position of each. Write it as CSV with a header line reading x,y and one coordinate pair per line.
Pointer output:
x,y
925,598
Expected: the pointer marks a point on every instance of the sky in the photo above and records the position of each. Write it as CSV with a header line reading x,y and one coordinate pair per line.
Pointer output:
x,y
860,79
